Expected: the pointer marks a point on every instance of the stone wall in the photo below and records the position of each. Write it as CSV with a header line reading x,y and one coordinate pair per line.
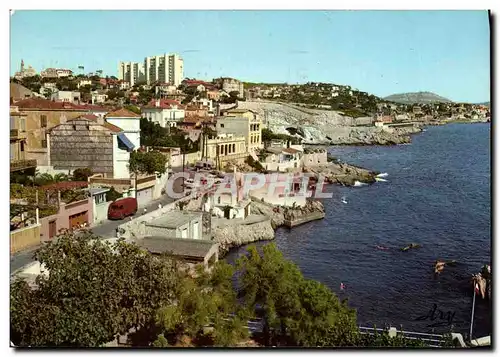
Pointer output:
x,y
235,235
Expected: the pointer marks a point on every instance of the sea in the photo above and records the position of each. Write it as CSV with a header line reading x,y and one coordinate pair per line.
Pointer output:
x,y
437,194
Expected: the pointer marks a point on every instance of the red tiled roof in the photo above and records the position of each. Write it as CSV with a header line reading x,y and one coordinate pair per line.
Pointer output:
x,y
89,116
122,113
45,104
164,104
290,150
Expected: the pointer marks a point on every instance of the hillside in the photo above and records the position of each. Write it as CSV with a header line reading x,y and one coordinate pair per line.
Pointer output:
x,y
418,97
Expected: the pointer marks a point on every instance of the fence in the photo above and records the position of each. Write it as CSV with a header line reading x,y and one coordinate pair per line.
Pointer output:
x,y
432,340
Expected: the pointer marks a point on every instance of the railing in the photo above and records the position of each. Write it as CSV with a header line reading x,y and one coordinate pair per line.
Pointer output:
x,y
432,340
18,165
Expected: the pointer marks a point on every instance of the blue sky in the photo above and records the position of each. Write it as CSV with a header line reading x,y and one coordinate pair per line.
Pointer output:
x,y
381,52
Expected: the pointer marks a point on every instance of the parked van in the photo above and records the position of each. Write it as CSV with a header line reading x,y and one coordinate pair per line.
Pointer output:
x,y
122,207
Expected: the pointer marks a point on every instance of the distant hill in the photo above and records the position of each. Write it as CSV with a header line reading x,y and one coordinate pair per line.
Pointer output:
x,y
486,104
418,97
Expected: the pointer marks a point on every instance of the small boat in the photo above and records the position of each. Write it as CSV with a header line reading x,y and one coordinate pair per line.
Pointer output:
x,y
343,200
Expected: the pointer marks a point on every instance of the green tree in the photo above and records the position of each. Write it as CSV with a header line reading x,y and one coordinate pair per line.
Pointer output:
x,y
206,310
82,174
148,162
112,195
95,290
296,311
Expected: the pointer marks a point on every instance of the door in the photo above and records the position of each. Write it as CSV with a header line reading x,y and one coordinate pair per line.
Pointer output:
x,y
196,227
144,196
52,229
78,219
184,233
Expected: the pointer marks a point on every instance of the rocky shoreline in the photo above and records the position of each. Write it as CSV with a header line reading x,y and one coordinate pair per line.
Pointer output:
x,y
343,174
235,235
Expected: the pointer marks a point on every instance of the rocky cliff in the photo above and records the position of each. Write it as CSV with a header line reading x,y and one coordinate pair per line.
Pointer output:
x,y
325,126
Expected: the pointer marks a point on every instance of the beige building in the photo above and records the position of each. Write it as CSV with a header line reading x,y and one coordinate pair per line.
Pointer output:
x,y
166,68
242,122
225,147
18,161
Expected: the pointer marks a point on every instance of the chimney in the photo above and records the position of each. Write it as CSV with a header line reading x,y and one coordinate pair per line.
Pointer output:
x,y
100,119
157,103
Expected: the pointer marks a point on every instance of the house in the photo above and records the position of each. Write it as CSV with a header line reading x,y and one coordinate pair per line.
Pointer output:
x,y
130,123
99,204
99,97
123,85
42,115
66,96
165,112
205,103
177,224
201,86
89,142
18,160
282,189
242,122
196,110
84,82
56,73
47,89
230,85
282,159
383,120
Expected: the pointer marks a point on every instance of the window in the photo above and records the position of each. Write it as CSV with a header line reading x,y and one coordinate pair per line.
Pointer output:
x,y
234,148
44,143
87,126
22,146
43,121
22,124
74,126
222,125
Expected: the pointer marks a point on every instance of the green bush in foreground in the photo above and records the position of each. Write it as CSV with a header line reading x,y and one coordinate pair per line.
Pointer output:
x,y
96,291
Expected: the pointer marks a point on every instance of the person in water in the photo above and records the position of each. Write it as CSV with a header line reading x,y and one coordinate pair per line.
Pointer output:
x,y
381,248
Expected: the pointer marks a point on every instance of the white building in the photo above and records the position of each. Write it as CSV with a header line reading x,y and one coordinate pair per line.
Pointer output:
x,y
99,97
206,103
66,96
131,72
167,68
84,82
165,112
129,122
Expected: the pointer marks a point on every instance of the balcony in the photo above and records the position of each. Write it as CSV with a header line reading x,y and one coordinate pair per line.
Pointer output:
x,y
18,165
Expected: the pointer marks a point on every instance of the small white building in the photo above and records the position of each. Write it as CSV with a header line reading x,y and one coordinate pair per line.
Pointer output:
x,y
99,97
84,82
165,112
66,96
99,204
129,122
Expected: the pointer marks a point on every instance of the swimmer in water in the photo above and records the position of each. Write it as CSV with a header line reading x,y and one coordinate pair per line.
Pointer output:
x,y
381,248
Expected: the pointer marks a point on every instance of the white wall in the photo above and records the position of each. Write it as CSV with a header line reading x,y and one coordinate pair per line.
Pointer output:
x,y
131,128
120,161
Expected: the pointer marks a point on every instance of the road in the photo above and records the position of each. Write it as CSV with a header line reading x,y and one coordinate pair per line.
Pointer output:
x,y
108,228
105,230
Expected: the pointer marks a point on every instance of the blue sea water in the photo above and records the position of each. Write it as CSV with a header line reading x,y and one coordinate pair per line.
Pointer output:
x,y
437,194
